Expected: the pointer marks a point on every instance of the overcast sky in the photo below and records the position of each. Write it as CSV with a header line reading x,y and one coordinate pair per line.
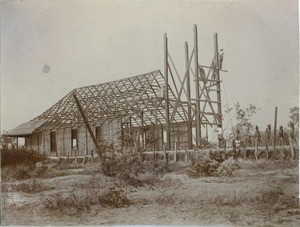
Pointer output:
x,y
91,42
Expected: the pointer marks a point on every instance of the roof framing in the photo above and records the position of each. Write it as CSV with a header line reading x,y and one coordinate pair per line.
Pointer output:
x,y
120,99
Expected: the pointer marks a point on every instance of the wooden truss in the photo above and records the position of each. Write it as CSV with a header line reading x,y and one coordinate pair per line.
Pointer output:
x,y
148,99
140,98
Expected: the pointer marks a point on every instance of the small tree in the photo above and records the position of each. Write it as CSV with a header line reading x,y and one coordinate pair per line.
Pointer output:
x,y
243,120
294,116
7,142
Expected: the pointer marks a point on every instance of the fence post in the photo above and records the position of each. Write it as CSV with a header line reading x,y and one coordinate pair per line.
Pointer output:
x,y
175,153
58,155
186,155
75,152
165,154
84,159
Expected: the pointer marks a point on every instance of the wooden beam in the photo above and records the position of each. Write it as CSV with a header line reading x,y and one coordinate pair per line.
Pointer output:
x,y
86,122
197,114
167,112
188,88
275,125
218,77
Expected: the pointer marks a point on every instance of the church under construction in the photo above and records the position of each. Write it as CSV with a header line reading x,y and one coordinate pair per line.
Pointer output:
x,y
158,110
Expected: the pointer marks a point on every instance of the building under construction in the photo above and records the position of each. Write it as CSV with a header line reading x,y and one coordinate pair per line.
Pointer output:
x,y
157,110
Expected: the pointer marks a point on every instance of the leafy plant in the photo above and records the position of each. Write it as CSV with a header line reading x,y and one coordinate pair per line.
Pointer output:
x,y
202,166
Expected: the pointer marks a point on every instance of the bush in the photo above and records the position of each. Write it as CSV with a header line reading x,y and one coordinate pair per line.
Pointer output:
x,y
74,204
114,198
16,157
202,166
115,163
71,204
18,172
33,187
227,167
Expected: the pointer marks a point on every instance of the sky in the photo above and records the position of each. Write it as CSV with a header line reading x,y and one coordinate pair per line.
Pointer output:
x,y
49,48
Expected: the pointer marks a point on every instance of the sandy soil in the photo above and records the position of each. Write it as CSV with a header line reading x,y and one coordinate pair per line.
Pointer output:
x,y
260,193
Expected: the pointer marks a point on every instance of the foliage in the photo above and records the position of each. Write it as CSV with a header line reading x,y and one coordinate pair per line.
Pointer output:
x,y
8,142
74,204
18,172
294,116
114,197
33,186
227,167
120,162
15,157
243,120
202,166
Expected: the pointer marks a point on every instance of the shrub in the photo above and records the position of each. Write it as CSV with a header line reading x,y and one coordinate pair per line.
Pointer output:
x,y
18,172
227,167
120,162
33,187
16,157
71,204
202,166
74,204
231,200
114,198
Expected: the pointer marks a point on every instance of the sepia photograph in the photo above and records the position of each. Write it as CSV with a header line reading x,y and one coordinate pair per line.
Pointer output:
x,y
150,112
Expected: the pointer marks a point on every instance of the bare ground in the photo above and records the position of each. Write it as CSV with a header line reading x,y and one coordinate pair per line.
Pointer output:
x,y
262,193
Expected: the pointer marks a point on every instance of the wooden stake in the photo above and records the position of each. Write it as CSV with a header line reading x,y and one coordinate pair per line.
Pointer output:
x,y
175,153
275,125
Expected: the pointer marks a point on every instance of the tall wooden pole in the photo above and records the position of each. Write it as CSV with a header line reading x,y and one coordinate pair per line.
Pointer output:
x,y
166,66
275,125
188,88
156,125
217,74
143,131
197,114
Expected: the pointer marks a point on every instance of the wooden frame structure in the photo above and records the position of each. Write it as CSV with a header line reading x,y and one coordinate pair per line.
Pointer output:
x,y
149,101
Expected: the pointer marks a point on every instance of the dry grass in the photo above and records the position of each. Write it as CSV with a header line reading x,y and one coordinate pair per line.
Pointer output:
x,y
227,168
75,204
18,172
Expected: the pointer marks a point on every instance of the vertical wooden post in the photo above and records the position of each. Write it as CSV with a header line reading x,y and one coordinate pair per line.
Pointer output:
x,y
38,142
75,156
63,142
166,65
165,155
275,125
44,136
58,154
186,156
217,74
17,143
188,88
142,127
84,159
197,114
156,125
175,153
154,157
